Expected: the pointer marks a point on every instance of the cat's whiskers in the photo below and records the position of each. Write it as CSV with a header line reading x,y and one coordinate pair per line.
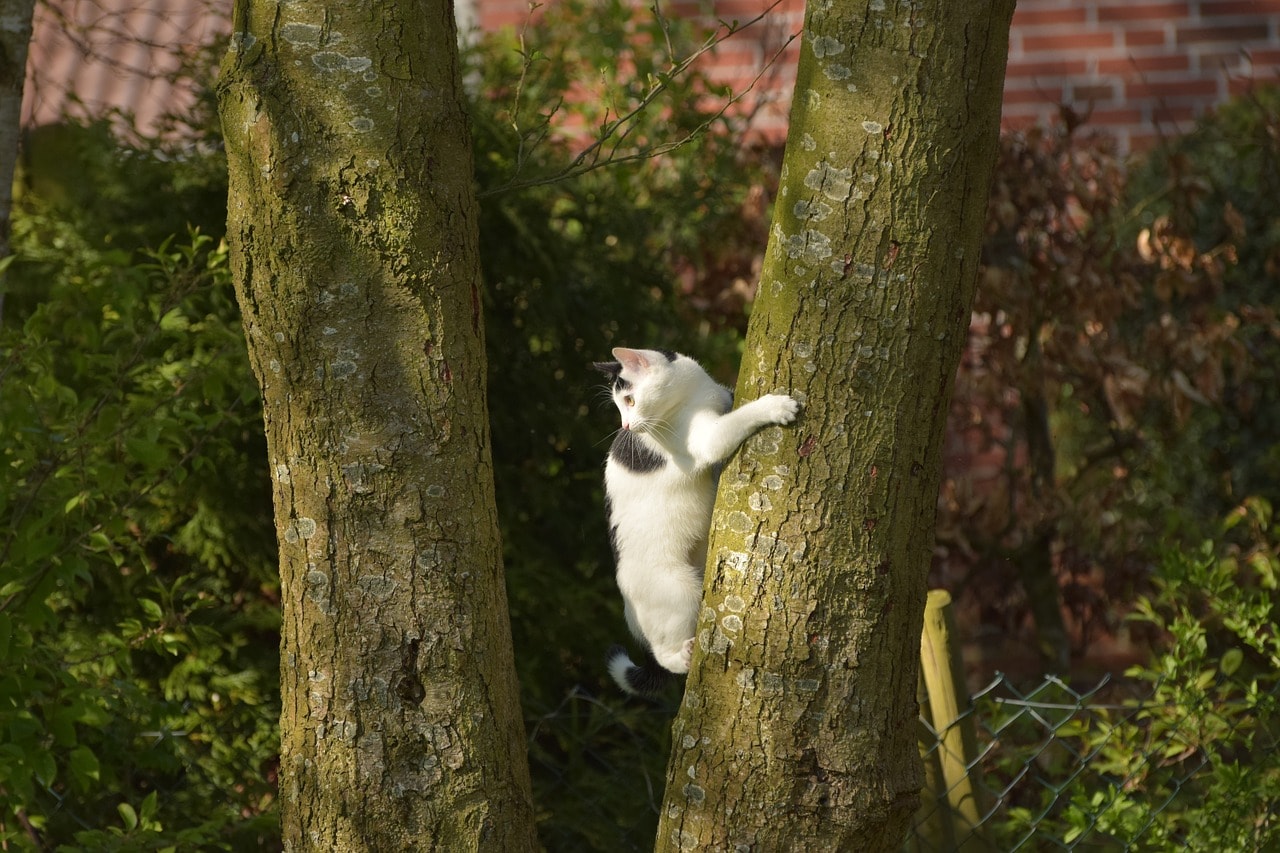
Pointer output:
x,y
639,427
659,429
608,438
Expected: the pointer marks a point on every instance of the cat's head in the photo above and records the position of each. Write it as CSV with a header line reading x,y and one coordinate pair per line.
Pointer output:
x,y
648,385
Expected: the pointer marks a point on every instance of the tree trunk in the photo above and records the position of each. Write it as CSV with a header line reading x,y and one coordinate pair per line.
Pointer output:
x,y
797,730
1035,560
15,38
352,225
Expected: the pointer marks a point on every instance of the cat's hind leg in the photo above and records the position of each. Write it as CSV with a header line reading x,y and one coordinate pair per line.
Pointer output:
x,y
670,627
674,657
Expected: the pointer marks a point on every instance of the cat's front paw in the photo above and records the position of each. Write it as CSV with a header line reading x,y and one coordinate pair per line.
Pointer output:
x,y
780,408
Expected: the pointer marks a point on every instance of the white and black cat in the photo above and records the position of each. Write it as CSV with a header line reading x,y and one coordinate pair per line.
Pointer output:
x,y
660,482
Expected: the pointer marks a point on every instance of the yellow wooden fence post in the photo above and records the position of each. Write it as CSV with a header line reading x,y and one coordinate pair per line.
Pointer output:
x,y
948,703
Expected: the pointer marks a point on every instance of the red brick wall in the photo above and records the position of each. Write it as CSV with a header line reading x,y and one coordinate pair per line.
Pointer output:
x,y
1139,68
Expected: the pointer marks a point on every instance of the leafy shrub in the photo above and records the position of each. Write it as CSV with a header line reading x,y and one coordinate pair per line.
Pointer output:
x,y
1208,209
1196,766
137,595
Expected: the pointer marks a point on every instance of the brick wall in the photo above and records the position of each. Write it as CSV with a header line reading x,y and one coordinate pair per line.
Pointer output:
x,y
1138,68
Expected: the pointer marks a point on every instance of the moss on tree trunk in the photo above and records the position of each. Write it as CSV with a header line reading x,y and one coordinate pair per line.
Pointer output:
x,y
352,225
797,730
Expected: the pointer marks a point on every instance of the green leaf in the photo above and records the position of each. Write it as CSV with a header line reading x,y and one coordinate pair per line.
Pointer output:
x,y
84,766
128,815
34,550
152,609
149,806
1231,661
146,451
45,766
174,321
62,725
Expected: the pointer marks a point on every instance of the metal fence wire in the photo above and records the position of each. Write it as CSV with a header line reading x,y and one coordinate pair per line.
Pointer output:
x,y
1119,766
1190,762
1184,764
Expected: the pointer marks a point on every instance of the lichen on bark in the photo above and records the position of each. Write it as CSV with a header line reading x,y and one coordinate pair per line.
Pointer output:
x,y
352,226
797,729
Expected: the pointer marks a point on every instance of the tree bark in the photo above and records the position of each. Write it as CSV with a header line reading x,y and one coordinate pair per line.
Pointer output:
x,y
352,224
1035,562
797,730
15,39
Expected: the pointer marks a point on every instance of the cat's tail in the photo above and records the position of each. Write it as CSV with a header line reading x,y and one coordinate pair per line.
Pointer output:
x,y
643,680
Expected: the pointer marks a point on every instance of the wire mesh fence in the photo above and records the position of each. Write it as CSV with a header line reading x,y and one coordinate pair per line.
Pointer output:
x,y
1120,765
1117,766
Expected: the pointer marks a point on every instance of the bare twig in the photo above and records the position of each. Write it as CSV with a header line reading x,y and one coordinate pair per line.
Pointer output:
x,y
607,147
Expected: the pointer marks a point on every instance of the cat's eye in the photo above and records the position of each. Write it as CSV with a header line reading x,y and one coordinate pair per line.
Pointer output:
x,y
629,401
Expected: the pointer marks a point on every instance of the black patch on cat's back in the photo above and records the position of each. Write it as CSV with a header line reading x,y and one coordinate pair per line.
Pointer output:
x,y
634,455
613,528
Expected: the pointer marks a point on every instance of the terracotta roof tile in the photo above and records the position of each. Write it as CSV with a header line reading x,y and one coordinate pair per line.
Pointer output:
x,y
90,57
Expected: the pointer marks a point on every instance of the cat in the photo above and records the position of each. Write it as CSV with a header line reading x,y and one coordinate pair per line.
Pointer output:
x,y
660,485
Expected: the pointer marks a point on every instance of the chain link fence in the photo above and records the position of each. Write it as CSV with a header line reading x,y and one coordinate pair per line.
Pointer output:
x,y
1117,766
1121,765
1047,765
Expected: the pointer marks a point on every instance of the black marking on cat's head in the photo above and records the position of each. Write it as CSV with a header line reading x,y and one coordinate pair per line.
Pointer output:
x,y
671,356
612,369
634,455
608,368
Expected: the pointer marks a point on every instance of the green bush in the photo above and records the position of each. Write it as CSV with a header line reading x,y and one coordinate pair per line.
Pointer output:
x,y
1196,765
138,600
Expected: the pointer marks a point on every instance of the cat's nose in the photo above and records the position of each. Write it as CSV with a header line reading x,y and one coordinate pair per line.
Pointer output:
x,y
626,425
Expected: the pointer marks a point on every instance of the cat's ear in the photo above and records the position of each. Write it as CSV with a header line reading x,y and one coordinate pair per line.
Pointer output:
x,y
632,360
608,368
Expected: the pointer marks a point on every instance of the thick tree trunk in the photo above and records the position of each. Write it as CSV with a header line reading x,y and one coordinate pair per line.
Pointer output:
x,y
797,731
353,232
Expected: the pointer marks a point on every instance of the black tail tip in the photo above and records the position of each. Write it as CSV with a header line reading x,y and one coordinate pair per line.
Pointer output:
x,y
644,680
